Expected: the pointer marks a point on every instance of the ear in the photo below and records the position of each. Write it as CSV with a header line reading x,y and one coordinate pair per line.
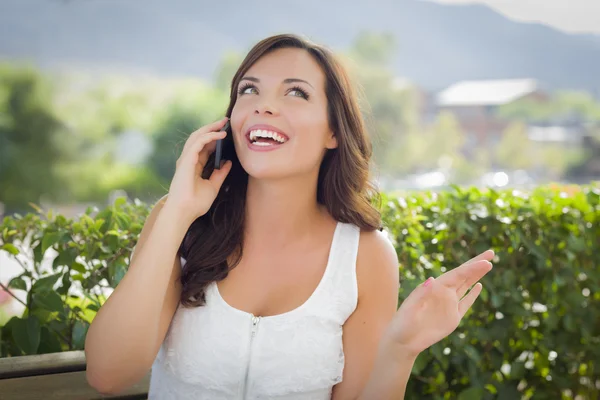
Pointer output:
x,y
332,142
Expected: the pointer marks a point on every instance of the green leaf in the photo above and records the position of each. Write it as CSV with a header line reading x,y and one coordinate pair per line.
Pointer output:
x,y
98,224
517,370
508,392
484,295
65,257
79,267
17,283
79,332
26,334
37,254
49,300
472,353
420,363
123,220
491,388
10,248
49,342
63,289
49,240
497,300
46,283
120,202
116,271
472,393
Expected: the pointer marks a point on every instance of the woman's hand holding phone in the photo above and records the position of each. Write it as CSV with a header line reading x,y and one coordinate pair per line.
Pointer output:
x,y
190,195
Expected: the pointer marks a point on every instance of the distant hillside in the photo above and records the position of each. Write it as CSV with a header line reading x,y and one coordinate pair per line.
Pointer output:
x,y
438,44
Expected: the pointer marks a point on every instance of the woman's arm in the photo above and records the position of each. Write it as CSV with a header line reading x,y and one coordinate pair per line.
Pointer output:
x,y
378,283
125,335
431,312
390,374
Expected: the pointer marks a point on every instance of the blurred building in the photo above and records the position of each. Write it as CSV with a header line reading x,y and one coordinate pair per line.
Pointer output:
x,y
475,104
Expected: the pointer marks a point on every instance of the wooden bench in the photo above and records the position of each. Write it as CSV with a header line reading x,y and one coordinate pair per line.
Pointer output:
x,y
54,376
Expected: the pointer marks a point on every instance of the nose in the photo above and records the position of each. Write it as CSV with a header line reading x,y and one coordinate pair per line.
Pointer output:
x,y
265,107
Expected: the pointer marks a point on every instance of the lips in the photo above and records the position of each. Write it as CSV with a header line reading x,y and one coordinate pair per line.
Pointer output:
x,y
266,127
266,138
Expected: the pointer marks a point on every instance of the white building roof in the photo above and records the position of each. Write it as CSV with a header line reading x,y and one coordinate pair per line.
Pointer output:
x,y
491,92
553,134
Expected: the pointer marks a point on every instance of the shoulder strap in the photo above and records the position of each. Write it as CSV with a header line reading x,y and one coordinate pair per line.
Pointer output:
x,y
341,280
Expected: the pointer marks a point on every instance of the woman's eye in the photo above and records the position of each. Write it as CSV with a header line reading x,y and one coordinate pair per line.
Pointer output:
x,y
297,92
247,90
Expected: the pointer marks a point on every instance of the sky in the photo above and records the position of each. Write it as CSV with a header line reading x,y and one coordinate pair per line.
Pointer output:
x,y
575,16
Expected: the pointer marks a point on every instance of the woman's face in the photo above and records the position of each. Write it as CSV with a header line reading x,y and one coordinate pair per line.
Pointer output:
x,y
279,121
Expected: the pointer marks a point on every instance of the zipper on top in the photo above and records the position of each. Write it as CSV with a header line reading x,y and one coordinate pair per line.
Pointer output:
x,y
254,327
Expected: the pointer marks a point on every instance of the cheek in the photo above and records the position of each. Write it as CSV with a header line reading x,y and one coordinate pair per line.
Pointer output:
x,y
237,119
314,129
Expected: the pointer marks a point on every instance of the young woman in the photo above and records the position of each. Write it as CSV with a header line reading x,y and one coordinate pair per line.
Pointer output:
x,y
269,278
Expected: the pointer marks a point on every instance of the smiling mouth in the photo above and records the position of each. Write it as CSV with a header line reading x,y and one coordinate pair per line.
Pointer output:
x,y
266,138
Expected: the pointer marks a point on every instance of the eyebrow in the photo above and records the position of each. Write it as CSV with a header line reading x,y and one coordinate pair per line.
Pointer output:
x,y
288,80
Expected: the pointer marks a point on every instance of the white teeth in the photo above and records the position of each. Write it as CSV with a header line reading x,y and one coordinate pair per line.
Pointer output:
x,y
263,144
266,134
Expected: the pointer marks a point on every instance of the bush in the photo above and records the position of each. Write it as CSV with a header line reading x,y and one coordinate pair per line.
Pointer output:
x,y
68,268
534,333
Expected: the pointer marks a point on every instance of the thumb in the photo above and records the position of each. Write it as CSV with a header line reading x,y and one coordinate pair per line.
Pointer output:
x,y
428,282
420,292
424,288
218,175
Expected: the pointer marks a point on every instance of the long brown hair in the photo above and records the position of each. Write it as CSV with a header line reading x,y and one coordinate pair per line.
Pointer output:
x,y
213,244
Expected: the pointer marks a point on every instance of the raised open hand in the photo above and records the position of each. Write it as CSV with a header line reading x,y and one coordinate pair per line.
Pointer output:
x,y
190,194
434,309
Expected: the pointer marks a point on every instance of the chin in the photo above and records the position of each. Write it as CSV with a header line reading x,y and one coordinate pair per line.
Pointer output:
x,y
265,171
274,166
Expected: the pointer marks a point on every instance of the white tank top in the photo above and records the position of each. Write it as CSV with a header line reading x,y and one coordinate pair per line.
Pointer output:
x,y
217,352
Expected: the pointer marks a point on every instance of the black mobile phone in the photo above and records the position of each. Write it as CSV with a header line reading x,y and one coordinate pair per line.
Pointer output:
x,y
219,149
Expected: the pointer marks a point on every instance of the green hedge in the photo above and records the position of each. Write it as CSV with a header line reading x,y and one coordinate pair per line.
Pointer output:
x,y
534,333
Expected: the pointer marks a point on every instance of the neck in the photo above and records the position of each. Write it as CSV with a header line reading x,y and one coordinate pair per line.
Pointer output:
x,y
278,211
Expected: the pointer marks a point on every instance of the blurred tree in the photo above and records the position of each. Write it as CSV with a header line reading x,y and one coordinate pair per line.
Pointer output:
x,y
446,141
564,106
580,104
226,69
407,153
555,160
101,110
181,118
389,104
169,140
30,139
374,48
515,151
438,147
97,111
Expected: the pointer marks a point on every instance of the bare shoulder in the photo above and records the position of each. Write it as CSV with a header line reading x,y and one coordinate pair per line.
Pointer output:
x,y
161,202
376,263
158,206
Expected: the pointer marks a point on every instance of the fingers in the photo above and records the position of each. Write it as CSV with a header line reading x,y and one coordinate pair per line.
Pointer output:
x,y
469,299
475,272
206,151
194,155
218,175
486,255
212,127
465,272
